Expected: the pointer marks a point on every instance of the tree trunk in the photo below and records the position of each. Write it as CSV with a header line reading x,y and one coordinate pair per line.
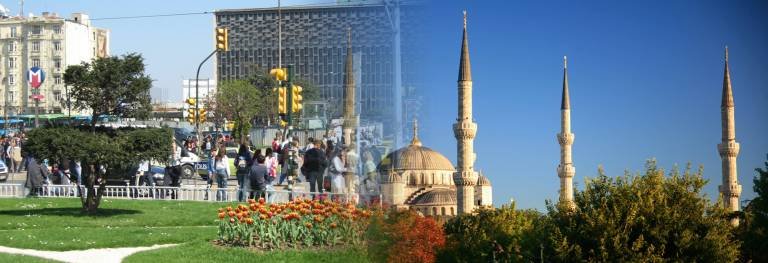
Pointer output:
x,y
93,196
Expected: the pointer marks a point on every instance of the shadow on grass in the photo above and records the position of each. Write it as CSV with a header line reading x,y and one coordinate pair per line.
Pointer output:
x,y
70,211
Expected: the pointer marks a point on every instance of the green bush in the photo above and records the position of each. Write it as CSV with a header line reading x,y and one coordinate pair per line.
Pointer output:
x,y
646,217
494,235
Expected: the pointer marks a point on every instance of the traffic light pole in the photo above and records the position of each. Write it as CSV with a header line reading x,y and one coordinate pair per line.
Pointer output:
x,y
197,99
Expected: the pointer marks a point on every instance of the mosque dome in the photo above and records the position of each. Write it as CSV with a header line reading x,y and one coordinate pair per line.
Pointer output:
x,y
436,197
414,157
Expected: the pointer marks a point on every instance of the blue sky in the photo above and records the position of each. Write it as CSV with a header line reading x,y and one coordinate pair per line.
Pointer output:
x,y
645,79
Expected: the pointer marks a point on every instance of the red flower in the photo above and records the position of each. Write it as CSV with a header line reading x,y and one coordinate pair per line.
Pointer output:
x,y
261,200
231,213
222,215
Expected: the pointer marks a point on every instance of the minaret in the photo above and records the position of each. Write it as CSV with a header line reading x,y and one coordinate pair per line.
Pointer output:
x,y
350,120
465,129
565,169
729,148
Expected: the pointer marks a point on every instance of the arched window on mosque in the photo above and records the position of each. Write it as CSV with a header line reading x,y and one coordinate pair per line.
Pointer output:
x,y
452,213
442,210
434,211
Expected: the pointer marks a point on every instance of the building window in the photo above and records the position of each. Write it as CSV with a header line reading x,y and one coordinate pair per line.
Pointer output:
x,y
13,31
11,80
36,46
36,62
57,79
36,30
57,29
57,95
57,45
57,63
11,62
11,46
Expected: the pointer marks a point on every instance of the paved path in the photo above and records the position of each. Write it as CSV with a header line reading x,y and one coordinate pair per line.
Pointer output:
x,y
104,255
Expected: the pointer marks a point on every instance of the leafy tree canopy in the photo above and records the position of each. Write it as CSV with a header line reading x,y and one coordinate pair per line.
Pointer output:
x,y
646,217
111,86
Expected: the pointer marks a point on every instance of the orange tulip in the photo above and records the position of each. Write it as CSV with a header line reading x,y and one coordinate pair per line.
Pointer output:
x,y
222,215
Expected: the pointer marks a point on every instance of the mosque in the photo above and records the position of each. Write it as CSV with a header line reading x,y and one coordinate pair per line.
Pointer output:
x,y
418,178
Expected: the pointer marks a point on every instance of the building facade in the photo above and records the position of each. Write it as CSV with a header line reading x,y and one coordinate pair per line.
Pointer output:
x,y
314,40
51,43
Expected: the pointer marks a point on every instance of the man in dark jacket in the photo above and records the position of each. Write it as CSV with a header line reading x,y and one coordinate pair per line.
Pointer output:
x,y
313,167
257,176
35,176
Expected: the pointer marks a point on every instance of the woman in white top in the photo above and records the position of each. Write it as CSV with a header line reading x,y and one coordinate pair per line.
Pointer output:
x,y
221,164
337,169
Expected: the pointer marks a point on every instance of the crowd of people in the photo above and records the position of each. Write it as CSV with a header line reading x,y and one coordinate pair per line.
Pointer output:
x,y
321,162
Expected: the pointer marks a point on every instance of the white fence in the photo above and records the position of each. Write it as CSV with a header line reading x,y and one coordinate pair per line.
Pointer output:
x,y
185,193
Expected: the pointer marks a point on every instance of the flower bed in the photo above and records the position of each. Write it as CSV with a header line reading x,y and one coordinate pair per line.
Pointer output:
x,y
300,223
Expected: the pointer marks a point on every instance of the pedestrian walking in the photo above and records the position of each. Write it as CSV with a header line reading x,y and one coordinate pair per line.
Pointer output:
x,y
258,174
243,165
221,164
336,169
313,167
35,177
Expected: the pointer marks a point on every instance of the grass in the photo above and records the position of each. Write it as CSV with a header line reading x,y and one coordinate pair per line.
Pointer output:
x,y
20,258
57,224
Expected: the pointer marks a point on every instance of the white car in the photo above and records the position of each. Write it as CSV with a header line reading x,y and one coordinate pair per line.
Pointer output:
x,y
3,171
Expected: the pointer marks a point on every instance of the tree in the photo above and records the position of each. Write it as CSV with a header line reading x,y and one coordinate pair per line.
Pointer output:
x,y
646,217
238,100
103,153
494,235
404,237
111,86
754,232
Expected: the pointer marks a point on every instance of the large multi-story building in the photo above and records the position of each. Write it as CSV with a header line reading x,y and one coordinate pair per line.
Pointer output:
x,y
314,39
51,43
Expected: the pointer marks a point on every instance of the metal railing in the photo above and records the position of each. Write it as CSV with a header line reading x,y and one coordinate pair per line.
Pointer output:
x,y
184,193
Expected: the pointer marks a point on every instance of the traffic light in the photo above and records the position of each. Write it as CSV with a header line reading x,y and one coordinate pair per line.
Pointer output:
x,y
191,115
221,39
190,102
282,101
202,113
283,123
279,74
297,99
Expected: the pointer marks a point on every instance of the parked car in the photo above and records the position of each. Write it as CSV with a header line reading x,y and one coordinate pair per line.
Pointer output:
x,y
3,171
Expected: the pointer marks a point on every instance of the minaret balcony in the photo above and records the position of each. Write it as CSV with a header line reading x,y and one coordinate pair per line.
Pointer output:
x,y
733,190
565,138
566,170
728,149
465,178
465,130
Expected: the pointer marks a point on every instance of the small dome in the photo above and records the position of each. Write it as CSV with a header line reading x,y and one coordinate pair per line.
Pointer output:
x,y
440,196
483,181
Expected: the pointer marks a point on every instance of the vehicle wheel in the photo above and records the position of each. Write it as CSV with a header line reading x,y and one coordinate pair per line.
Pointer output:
x,y
187,171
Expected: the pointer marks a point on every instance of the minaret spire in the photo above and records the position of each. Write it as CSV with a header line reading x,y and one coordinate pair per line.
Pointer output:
x,y
729,148
465,130
350,121
565,138
465,71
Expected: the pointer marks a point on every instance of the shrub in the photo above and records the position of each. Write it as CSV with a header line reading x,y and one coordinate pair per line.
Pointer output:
x,y
404,237
494,235
300,223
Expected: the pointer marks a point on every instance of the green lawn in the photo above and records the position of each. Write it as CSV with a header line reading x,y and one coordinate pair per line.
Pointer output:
x,y
56,224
